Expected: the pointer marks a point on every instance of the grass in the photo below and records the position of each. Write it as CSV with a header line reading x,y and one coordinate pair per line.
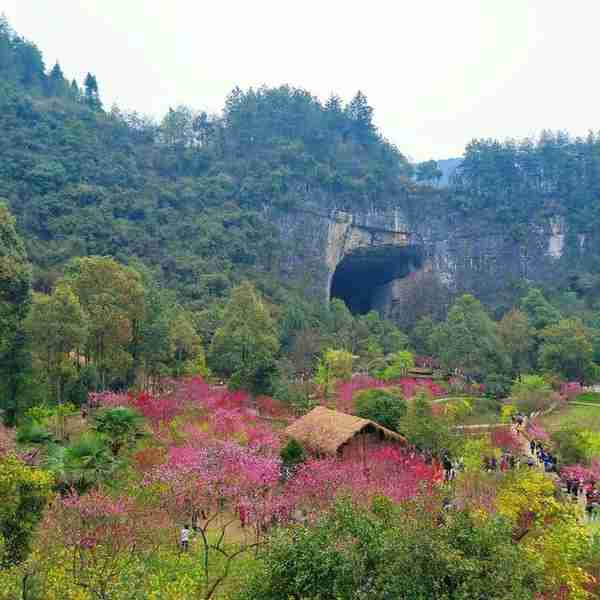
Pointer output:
x,y
588,398
484,411
578,415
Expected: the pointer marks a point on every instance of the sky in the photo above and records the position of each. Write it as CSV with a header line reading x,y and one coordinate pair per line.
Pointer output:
x,y
437,72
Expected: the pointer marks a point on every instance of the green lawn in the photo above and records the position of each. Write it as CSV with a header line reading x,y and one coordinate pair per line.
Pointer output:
x,y
588,398
582,416
484,411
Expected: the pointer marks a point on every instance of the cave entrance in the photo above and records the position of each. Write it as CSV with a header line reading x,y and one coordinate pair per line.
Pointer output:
x,y
361,276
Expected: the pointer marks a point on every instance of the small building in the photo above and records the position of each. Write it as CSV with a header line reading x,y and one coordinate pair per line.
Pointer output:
x,y
328,432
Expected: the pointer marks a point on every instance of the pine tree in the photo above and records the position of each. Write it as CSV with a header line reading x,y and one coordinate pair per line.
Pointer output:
x,y
56,84
361,115
74,90
92,95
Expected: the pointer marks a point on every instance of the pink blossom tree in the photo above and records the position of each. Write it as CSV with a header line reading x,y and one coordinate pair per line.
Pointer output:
x,y
214,487
105,535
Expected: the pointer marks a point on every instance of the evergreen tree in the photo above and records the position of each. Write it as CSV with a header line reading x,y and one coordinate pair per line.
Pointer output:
x,y
361,116
56,84
15,300
91,94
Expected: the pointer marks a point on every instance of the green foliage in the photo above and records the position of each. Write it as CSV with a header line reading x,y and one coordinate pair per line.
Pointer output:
x,y
24,492
384,406
469,340
121,425
426,431
589,397
33,432
15,299
390,555
292,453
518,339
83,464
421,336
57,329
531,393
334,366
246,345
538,310
566,349
401,362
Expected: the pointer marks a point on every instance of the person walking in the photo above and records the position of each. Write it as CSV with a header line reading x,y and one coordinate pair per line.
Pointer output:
x,y
184,538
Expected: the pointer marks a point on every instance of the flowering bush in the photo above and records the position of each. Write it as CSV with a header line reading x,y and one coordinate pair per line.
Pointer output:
x,y
505,439
383,471
534,431
570,390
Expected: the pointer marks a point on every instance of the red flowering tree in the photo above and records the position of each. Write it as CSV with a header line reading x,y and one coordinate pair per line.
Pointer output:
x,y
504,439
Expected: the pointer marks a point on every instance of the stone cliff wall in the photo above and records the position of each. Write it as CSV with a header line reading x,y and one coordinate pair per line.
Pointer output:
x,y
466,255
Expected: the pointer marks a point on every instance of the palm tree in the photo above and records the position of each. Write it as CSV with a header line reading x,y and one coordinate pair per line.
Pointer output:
x,y
83,464
121,425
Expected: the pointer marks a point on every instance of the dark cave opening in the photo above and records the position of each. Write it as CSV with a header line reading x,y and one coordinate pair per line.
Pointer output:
x,y
360,274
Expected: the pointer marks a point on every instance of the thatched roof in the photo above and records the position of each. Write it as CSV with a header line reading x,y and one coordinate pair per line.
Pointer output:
x,y
326,431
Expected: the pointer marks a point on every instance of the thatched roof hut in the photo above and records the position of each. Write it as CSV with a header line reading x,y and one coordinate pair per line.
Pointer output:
x,y
327,431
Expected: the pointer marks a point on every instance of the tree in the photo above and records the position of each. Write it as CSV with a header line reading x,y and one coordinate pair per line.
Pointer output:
x,y
15,301
401,362
518,338
106,538
112,298
361,118
334,366
538,310
386,553
421,336
24,493
91,93
384,406
58,331
531,393
121,425
429,172
83,464
468,340
57,84
433,433
566,349
186,346
245,346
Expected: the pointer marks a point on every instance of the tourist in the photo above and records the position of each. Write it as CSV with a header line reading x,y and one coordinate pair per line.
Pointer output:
x,y
184,538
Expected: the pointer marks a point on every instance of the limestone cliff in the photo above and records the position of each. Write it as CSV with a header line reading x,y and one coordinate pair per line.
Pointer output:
x,y
375,256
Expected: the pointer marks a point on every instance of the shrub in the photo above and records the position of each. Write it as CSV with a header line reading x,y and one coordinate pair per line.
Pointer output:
x,y
292,453
532,393
384,406
33,432
121,425
401,362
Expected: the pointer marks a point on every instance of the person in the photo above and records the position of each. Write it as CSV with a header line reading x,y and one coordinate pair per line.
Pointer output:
x,y
184,538
447,463
532,446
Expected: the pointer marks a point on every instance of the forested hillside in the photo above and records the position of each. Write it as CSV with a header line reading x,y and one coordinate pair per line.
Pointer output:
x,y
179,419
185,195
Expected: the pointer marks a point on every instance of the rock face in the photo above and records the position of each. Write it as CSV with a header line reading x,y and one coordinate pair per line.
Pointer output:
x,y
372,258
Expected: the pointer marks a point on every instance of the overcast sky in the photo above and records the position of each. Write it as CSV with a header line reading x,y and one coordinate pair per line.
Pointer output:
x,y
437,72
